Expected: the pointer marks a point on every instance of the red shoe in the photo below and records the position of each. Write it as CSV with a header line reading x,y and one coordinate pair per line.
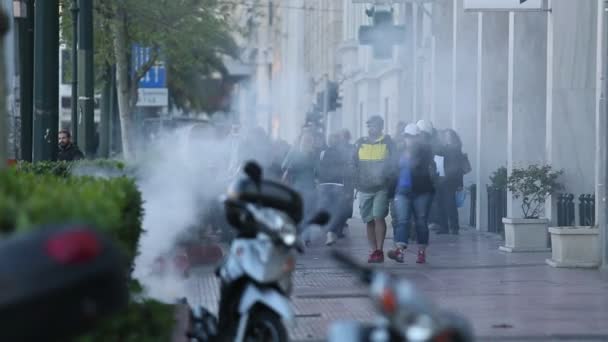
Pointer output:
x,y
421,259
376,257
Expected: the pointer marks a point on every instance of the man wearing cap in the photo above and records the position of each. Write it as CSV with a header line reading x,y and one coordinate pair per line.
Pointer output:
x,y
376,173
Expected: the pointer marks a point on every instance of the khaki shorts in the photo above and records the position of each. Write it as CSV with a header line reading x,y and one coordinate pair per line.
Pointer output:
x,y
373,205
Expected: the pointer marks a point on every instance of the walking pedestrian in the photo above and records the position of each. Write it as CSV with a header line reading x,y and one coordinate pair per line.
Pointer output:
x,y
456,165
414,191
299,170
332,173
432,136
375,169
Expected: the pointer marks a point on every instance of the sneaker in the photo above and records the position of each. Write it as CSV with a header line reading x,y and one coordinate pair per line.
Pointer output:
x,y
396,254
331,238
421,259
376,257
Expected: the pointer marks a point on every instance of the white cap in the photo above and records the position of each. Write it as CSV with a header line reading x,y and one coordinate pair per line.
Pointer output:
x,y
411,129
425,126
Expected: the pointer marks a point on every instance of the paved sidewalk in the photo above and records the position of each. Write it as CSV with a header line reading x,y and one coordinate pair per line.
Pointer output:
x,y
507,297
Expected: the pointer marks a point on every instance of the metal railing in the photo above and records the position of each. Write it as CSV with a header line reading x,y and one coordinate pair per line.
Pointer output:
x,y
497,209
565,210
566,206
473,205
586,210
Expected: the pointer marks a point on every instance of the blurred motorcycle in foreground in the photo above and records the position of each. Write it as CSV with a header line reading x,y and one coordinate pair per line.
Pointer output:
x,y
58,282
404,313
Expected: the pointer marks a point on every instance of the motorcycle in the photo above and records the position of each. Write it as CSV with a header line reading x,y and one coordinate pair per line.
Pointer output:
x,y
59,282
256,277
404,313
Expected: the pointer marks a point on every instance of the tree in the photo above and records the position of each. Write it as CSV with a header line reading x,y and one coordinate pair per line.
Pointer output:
x,y
191,35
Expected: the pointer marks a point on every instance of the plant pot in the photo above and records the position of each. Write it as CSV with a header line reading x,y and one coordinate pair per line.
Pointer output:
x,y
575,247
525,235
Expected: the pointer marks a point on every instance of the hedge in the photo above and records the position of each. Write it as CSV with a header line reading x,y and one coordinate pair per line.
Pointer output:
x,y
106,167
46,193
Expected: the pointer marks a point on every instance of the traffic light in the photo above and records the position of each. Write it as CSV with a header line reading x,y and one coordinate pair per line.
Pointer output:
x,y
383,34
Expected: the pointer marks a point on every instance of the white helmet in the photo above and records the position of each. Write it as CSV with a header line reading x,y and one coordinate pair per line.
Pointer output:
x,y
425,126
411,129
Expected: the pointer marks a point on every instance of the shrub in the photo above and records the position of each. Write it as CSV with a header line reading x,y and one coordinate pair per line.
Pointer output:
x,y
45,193
533,185
498,179
30,199
106,167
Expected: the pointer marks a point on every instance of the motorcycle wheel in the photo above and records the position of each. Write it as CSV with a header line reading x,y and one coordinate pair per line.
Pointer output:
x,y
265,326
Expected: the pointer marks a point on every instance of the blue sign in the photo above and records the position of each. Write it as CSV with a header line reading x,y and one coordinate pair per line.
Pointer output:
x,y
156,77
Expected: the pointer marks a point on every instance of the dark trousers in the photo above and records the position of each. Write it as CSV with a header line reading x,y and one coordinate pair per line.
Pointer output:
x,y
333,199
448,208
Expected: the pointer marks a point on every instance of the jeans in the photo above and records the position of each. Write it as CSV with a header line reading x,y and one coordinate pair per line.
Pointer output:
x,y
406,207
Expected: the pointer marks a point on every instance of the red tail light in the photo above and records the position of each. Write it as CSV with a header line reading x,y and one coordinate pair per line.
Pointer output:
x,y
73,247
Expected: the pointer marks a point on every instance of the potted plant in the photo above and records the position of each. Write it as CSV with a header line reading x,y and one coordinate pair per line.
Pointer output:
x,y
532,186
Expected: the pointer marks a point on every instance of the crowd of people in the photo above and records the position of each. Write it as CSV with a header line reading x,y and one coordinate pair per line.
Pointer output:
x,y
414,175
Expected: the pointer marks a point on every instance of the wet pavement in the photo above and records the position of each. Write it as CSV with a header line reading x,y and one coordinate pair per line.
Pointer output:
x,y
506,296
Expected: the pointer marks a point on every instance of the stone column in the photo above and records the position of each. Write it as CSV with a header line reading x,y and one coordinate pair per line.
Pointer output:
x,y
464,108
570,140
526,107
443,32
491,106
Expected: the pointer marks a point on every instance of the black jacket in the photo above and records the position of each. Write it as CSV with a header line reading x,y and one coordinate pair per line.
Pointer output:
x,y
69,153
422,165
334,166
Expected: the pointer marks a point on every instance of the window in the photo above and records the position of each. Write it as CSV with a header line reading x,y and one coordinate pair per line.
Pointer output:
x,y
66,102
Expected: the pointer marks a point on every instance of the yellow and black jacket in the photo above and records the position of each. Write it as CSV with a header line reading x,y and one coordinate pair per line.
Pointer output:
x,y
375,164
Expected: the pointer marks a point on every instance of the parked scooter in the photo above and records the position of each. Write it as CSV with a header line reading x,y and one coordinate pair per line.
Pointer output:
x,y
256,277
404,313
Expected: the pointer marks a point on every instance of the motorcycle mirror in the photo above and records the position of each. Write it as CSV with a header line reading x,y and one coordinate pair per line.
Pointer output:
x,y
322,218
253,171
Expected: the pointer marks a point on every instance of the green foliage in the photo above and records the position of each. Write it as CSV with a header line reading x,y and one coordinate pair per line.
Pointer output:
x,y
192,35
113,205
46,193
498,179
82,167
533,185
144,321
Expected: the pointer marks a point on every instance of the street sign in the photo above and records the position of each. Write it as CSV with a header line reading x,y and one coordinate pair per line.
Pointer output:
x,y
152,97
505,5
152,86
156,77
